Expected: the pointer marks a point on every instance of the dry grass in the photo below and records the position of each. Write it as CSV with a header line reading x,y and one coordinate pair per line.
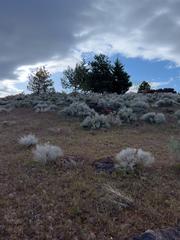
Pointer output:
x,y
43,202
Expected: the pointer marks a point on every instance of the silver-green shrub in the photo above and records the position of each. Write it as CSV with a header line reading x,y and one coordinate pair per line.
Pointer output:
x,y
78,109
127,115
130,158
95,122
47,153
153,118
28,140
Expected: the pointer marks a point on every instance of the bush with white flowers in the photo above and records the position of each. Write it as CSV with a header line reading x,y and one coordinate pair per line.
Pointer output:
x,y
130,158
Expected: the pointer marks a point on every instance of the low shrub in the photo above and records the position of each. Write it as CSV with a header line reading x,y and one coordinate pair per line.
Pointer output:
x,y
127,115
114,119
47,153
44,107
153,118
78,109
95,122
160,118
165,102
140,107
177,114
132,158
28,140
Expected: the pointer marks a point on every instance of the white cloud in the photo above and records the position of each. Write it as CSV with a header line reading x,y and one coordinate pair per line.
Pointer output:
x,y
7,88
157,84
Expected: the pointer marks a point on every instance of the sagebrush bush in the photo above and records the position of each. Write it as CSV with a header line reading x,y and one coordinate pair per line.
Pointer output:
x,y
148,117
153,118
47,153
165,102
95,122
114,119
127,115
28,140
160,118
130,158
42,107
140,107
78,109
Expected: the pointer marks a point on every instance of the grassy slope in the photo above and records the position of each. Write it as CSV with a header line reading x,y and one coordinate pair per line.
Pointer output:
x,y
39,202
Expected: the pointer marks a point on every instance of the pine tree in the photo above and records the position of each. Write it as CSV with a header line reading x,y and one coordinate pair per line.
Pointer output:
x,y
100,74
40,82
121,79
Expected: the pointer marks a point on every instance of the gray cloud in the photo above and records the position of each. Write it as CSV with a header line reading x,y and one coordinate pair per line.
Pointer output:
x,y
34,31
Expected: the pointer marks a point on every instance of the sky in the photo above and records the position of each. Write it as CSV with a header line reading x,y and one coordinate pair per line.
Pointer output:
x,y
143,34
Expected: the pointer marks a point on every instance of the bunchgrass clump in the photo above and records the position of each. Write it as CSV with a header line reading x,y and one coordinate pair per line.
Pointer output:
x,y
47,153
130,159
28,140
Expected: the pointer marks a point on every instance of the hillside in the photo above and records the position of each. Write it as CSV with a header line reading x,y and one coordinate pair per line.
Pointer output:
x,y
76,197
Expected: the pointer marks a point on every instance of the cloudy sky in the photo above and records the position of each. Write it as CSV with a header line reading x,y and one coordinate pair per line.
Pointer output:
x,y
144,34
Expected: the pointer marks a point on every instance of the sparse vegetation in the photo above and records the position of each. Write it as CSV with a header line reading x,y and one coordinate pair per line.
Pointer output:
x,y
131,158
28,140
74,198
47,153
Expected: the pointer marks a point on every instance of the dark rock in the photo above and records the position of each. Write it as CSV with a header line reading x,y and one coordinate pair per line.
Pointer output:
x,y
105,165
165,234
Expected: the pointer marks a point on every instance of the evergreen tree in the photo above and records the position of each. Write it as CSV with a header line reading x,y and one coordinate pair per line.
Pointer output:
x,y
67,80
100,74
144,86
40,82
75,78
121,79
